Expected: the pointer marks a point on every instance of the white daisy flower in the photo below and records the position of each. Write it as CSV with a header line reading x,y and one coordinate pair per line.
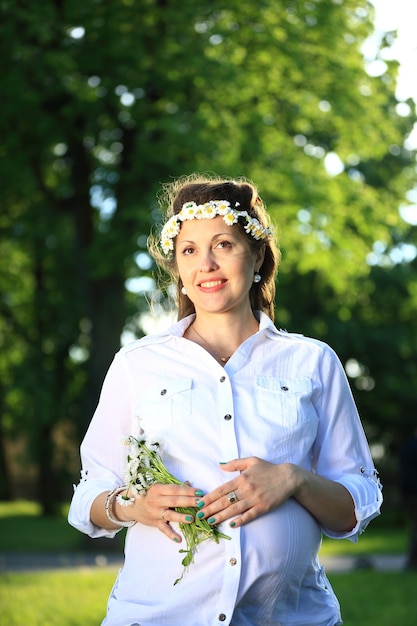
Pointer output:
x,y
125,500
138,490
172,222
223,207
209,211
230,218
188,211
167,245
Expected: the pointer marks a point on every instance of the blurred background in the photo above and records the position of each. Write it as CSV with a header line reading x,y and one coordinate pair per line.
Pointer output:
x,y
102,101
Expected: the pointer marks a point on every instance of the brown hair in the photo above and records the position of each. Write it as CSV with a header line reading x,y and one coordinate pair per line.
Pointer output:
x,y
200,189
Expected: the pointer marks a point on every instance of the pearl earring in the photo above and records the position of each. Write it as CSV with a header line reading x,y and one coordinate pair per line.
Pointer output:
x,y
183,291
257,278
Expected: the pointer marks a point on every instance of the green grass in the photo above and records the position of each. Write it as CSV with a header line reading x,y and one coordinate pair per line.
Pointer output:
x,y
372,598
23,529
67,598
60,598
375,540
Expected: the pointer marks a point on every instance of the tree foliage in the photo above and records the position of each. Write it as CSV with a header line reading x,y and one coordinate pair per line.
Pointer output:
x,y
106,100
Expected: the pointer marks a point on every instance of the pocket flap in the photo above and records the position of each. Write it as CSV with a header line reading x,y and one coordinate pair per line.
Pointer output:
x,y
164,390
284,385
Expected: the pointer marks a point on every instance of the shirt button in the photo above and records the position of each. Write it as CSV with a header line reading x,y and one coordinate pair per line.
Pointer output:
x,y
163,392
233,561
227,417
222,617
284,388
222,379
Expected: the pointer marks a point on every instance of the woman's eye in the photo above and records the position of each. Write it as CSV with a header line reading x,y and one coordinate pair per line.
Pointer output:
x,y
224,244
187,251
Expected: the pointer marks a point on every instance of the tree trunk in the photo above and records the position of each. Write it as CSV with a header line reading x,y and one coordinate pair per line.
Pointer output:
x,y
48,493
107,318
5,480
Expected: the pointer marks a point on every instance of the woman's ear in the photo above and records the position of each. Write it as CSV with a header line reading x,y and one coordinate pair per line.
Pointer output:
x,y
260,256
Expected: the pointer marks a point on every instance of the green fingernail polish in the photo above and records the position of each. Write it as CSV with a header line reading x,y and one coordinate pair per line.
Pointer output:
x,y
189,518
176,540
200,514
199,504
232,524
222,462
199,493
211,520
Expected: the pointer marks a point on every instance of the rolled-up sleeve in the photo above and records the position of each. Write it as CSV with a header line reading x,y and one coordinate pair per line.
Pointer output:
x,y
366,493
79,514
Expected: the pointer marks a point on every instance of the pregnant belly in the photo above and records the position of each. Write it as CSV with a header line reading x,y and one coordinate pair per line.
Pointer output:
x,y
278,550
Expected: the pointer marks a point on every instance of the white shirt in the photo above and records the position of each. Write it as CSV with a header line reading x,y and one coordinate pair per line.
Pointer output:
x,y
281,397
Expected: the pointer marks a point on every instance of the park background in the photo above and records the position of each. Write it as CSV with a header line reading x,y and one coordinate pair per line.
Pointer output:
x,y
102,102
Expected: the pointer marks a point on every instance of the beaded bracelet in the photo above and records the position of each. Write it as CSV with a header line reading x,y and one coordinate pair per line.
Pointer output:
x,y
108,505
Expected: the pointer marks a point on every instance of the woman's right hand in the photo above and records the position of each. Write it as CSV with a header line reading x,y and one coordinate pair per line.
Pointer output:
x,y
156,508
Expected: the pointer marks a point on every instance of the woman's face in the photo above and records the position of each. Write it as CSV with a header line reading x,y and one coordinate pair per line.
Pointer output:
x,y
216,265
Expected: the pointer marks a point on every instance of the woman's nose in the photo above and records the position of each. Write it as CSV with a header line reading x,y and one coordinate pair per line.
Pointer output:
x,y
208,263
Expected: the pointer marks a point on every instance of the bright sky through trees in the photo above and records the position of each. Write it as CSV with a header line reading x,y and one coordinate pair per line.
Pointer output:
x,y
401,15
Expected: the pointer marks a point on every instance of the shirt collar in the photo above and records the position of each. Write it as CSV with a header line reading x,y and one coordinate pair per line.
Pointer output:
x,y
266,325
178,329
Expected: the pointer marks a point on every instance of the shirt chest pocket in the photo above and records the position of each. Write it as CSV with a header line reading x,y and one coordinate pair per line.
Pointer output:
x,y
286,402
163,403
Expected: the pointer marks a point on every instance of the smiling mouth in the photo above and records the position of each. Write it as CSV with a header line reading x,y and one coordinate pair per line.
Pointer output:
x,y
212,283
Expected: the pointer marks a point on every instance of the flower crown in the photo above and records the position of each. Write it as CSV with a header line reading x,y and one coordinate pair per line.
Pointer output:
x,y
208,210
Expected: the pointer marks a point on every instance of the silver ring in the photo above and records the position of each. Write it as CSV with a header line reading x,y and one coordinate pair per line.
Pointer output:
x,y
232,497
163,514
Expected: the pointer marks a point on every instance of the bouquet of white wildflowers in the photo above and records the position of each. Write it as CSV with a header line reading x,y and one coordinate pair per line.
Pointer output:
x,y
146,468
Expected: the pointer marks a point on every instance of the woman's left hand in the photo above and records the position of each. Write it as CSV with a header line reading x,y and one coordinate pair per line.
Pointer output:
x,y
260,487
